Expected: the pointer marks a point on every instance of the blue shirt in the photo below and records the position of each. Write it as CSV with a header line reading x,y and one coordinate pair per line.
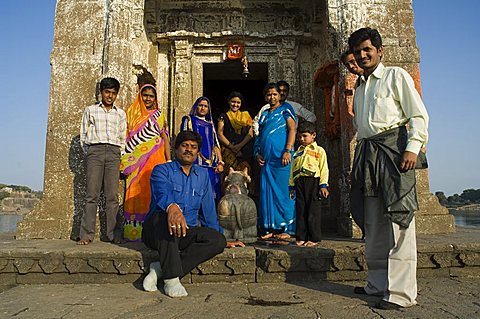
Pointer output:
x,y
193,193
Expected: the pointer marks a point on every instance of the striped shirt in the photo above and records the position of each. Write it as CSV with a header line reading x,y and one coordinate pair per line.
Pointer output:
x,y
100,126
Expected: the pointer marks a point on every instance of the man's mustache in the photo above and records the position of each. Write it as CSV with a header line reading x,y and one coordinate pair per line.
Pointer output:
x,y
187,152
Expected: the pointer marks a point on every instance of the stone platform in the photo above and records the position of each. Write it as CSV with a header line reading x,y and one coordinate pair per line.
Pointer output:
x,y
336,259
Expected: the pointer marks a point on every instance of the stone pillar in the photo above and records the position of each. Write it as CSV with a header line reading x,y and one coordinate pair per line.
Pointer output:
x,y
288,50
181,82
394,20
91,41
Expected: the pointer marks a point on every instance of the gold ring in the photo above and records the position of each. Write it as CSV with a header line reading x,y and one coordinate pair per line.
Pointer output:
x,y
179,226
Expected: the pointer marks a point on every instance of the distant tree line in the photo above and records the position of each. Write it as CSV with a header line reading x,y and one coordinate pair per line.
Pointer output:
x,y
468,196
18,188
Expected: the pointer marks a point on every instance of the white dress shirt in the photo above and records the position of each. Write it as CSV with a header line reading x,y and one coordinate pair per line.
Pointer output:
x,y
388,99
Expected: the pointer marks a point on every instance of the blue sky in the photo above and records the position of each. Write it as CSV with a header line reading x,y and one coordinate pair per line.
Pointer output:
x,y
447,35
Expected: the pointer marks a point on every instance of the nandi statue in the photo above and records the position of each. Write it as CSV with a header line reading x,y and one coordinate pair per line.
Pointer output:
x,y
237,212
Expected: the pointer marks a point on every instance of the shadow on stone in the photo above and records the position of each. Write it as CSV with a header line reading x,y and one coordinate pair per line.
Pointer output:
x,y
77,165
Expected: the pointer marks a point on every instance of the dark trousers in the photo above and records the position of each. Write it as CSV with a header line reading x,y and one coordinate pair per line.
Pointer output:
x,y
103,170
179,255
308,209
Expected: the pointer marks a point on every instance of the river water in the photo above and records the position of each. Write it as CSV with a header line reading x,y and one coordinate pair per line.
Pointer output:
x,y
8,222
467,219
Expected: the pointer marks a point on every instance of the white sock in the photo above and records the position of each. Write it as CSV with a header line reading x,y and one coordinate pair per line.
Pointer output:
x,y
150,281
174,288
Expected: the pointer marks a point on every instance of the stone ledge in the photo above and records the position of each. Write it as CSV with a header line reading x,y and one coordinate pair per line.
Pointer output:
x,y
62,261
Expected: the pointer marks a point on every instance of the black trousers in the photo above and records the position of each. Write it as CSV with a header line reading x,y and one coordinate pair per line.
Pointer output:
x,y
179,255
308,209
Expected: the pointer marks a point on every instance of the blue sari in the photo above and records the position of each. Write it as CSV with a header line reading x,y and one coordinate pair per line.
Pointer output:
x,y
206,157
277,210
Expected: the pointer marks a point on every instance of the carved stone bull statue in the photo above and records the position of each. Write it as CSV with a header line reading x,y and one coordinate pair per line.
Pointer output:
x,y
237,212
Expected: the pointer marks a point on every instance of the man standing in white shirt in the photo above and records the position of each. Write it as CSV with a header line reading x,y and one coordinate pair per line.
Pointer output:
x,y
383,177
300,111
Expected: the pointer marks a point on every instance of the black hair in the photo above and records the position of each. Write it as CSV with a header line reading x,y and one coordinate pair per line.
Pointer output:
x,y
344,55
271,85
284,83
145,78
364,34
188,136
109,83
149,87
235,94
306,127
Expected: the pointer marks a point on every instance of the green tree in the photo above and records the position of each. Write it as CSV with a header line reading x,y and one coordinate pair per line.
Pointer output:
x,y
442,199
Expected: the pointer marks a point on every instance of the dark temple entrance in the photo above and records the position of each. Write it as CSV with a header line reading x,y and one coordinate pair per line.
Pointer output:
x,y
219,79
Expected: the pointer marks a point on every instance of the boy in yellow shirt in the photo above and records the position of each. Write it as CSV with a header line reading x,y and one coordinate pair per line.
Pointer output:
x,y
309,184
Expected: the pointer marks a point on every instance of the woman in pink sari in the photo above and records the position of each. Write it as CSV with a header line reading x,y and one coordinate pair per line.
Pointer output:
x,y
147,145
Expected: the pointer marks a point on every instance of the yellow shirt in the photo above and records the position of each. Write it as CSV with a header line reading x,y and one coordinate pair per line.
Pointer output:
x,y
310,160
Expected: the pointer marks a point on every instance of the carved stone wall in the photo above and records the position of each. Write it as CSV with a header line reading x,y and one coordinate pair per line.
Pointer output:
x,y
173,39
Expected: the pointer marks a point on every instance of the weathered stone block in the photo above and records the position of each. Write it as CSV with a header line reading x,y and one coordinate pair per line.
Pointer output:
x,y
216,278
346,275
434,260
52,262
8,279
434,224
433,273
465,272
26,265
232,261
469,258
80,278
78,265
104,266
126,266
293,259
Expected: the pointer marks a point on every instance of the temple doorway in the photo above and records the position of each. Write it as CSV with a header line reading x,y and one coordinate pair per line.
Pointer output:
x,y
219,79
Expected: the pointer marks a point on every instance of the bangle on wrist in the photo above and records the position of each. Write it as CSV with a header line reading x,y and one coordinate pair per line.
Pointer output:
x,y
221,163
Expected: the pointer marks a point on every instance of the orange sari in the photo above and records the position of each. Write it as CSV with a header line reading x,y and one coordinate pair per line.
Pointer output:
x,y
145,148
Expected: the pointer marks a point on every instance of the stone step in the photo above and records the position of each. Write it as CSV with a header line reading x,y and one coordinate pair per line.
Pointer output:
x,y
336,259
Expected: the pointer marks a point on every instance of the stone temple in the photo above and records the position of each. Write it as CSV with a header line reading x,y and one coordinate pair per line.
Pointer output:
x,y
184,45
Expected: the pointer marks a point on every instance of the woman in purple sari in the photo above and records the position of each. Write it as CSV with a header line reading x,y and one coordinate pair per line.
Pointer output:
x,y
273,150
200,120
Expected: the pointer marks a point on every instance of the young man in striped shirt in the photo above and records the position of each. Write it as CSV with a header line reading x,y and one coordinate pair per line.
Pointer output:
x,y
102,136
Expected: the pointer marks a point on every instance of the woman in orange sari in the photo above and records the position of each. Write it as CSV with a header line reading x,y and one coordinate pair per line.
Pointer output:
x,y
147,145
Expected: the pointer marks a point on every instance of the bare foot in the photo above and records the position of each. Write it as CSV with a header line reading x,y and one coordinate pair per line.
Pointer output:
x,y
300,242
310,244
118,241
233,244
267,236
283,236
84,242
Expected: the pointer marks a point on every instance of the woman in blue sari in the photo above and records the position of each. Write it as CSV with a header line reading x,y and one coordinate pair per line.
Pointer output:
x,y
273,150
200,120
